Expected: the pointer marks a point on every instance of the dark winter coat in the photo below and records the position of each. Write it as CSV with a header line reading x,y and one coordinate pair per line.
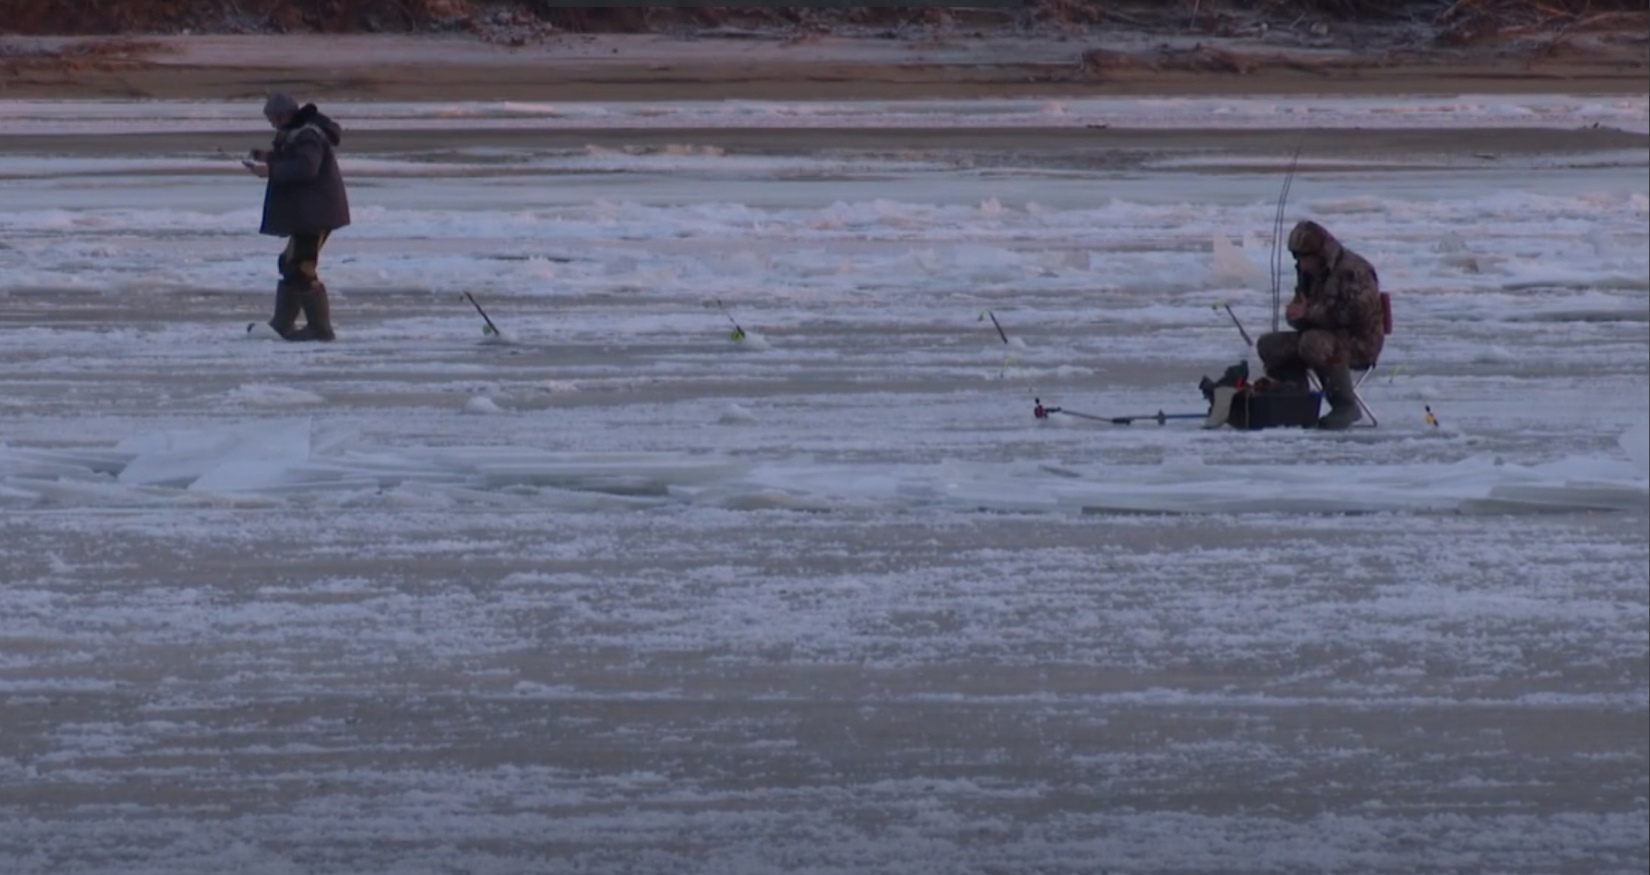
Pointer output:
x,y
1343,298
305,194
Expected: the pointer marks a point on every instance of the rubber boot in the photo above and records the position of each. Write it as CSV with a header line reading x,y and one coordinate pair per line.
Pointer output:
x,y
286,309
1343,403
317,315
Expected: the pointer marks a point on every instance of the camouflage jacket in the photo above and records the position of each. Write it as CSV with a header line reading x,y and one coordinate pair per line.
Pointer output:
x,y
1343,296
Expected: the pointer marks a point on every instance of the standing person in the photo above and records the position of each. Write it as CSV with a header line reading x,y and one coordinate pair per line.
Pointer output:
x,y
304,202
1338,322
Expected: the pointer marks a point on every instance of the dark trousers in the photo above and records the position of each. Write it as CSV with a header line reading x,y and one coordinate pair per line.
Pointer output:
x,y
301,259
1288,354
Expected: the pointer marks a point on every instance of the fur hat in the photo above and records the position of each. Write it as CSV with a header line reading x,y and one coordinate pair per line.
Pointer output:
x,y
1309,238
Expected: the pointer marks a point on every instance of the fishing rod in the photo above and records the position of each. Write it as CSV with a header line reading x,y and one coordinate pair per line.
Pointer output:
x,y
1235,321
1159,417
491,328
998,325
1003,372
738,333
1277,237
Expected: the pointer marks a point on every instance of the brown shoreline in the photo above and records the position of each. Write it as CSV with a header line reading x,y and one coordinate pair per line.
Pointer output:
x,y
632,67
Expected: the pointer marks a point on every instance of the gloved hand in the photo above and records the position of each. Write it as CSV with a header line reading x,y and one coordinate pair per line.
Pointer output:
x,y
1295,310
259,155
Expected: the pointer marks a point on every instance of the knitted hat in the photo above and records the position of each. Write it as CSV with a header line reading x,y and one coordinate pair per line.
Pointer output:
x,y
279,104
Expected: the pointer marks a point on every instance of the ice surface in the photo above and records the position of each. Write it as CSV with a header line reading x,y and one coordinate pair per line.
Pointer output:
x,y
838,604
1636,442
277,456
1236,267
236,457
1380,112
482,405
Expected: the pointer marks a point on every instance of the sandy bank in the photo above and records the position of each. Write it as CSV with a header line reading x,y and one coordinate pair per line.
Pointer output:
x,y
655,67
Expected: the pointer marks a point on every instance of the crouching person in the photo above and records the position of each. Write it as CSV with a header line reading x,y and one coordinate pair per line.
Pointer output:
x,y
1337,320
304,201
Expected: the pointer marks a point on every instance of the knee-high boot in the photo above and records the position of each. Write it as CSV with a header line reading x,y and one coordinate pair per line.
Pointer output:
x,y
286,309
317,315
1343,402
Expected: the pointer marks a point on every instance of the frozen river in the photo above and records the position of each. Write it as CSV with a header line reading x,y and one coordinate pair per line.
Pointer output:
x,y
620,594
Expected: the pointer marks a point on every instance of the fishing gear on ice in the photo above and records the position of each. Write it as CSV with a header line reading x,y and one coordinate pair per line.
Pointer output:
x,y
738,333
490,330
1233,400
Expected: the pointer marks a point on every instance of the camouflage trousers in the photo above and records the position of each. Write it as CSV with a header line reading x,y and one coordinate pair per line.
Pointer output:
x,y
1288,354
299,263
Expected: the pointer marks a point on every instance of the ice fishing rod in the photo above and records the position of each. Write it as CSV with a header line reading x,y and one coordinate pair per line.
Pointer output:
x,y
1277,236
1159,417
1235,321
738,333
491,328
1009,359
998,325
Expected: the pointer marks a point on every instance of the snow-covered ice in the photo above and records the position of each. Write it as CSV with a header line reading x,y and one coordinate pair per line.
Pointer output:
x,y
624,594
1626,112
